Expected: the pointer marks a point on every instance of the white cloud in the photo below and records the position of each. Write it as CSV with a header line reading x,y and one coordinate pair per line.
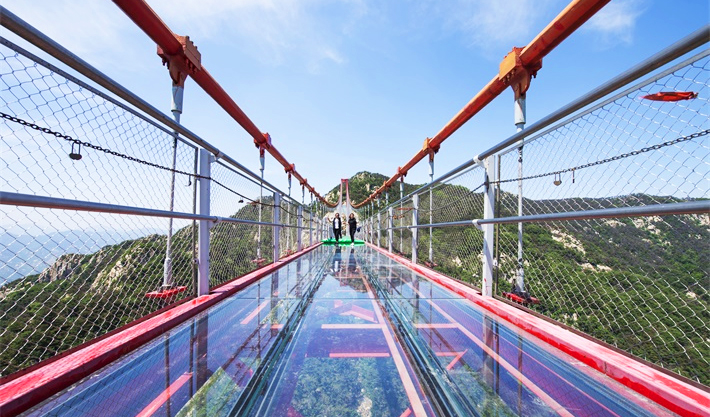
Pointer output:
x,y
492,23
273,31
91,30
616,21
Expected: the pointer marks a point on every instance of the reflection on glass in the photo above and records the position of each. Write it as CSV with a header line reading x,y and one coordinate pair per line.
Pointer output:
x,y
345,334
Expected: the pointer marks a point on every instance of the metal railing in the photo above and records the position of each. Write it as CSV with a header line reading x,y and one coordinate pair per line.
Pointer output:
x,y
595,216
113,211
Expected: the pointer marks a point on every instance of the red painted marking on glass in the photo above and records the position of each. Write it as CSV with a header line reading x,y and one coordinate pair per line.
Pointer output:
x,y
457,356
359,355
360,312
546,398
455,360
344,326
253,314
164,396
407,382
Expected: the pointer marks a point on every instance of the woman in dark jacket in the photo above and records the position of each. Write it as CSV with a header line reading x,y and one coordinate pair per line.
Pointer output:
x,y
352,226
337,228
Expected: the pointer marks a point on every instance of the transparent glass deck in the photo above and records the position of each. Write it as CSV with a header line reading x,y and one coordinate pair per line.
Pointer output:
x,y
346,332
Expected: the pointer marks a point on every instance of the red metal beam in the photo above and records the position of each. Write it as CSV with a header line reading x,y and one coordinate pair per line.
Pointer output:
x,y
146,18
571,18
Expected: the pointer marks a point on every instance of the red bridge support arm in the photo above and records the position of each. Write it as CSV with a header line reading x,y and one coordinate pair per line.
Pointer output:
x,y
146,18
530,57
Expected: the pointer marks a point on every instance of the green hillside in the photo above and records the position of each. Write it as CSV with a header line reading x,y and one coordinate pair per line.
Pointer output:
x,y
640,284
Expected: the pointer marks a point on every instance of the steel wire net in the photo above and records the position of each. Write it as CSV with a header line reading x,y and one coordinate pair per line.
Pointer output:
x,y
288,235
402,237
456,251
638,283
67,277
50,254
236,249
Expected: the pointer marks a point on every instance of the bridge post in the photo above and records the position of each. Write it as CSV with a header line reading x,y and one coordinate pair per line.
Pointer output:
x,y
277,220
415,230
203,242
390,227
299,230
379,230
488,229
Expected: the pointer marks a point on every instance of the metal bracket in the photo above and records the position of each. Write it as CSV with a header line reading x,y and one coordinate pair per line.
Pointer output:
x,y
518,76
184,62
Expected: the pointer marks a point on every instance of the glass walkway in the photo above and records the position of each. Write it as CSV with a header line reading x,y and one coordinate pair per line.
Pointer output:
x,y
346,332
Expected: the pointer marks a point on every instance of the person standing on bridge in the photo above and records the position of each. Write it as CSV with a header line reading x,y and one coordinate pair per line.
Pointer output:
x,y
352,226
337,228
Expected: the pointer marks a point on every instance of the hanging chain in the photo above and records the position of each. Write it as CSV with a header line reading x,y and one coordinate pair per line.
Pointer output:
x,y
613,158
75,141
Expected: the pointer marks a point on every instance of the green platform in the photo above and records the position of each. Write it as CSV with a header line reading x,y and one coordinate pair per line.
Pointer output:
x,y
346,241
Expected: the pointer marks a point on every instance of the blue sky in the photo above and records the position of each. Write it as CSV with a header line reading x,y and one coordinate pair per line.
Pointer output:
x,y
346,86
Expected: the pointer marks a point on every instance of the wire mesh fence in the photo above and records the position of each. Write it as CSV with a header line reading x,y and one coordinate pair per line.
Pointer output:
x,y
454,251
74,285
68,277
639,284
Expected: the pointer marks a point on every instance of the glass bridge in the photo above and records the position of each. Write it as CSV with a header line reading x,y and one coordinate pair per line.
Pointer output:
x,y
330,334
144,272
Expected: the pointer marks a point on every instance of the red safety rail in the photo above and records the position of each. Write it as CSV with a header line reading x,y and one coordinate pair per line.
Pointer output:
x,y
660,387
28,390
520,62
172,47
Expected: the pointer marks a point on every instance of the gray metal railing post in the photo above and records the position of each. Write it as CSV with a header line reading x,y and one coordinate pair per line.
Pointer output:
x,y
401,214
390,227
261,201
299,229
203,240
288,216
379,229
277,229
488,229
415,222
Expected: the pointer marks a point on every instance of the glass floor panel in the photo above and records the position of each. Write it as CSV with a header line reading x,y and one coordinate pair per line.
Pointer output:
x,y
346,332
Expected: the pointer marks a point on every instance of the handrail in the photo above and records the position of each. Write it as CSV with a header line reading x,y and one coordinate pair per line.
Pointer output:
x,y
146,19
573,16
667,209
30,200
